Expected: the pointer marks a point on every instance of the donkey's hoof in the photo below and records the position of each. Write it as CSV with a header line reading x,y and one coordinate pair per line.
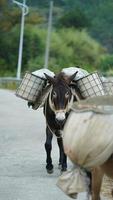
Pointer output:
x,y
63,169
49,169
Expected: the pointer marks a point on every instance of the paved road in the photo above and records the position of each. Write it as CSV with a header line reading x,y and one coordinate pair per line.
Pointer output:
x,y
22,155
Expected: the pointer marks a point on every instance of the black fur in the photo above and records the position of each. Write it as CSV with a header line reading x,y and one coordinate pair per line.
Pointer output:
x,y
60,86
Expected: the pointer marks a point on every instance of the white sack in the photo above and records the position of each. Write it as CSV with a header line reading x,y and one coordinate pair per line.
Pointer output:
x,y
40,73
71,70
88,138
73,182
88,142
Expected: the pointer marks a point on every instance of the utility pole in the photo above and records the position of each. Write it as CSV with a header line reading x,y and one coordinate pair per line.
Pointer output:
x,y
25,11
48,36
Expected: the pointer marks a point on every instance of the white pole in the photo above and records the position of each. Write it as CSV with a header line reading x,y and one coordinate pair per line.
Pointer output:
x,y
48,36
19,66
25,11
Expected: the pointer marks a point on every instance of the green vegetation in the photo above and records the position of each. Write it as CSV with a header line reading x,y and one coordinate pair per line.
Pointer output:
x,y
74,18
69,47
82,35
10,84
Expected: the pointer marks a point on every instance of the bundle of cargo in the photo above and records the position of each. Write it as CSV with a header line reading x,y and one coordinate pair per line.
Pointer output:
x,y
89,84
90,146
108,87
107,188
30,87
34,87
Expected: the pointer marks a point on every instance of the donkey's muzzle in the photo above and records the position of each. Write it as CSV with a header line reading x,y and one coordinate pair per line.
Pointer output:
x,y
60,117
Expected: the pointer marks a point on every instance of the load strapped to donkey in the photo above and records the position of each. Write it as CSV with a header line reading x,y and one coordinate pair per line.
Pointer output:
x,y
89,147
87,137
34,86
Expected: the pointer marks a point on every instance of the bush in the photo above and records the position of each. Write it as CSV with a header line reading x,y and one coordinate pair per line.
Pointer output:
x,y
69,47
106,64
33,47
74,18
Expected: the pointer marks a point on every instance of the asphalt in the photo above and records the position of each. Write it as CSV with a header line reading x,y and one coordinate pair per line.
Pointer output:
x,y
22,155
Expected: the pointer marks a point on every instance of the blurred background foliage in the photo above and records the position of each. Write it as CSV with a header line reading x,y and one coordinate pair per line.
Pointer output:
x,y
82,35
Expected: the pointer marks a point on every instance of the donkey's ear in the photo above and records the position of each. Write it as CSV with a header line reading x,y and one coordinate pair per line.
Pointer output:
x,y
49,78
72,77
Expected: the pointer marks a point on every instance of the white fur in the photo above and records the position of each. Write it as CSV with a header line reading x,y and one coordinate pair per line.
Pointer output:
x,y
70,103
60,115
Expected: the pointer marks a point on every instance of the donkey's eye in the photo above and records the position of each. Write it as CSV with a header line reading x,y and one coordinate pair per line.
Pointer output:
x,y
67,94
54,94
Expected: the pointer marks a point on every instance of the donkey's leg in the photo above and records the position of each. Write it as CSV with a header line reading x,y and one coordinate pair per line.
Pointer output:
x,y
48,148
97,176
107,167
88,193
63,157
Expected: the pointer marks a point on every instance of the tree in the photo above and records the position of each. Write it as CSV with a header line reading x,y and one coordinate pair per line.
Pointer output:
x,y
74,18
45,3
3,3
102,28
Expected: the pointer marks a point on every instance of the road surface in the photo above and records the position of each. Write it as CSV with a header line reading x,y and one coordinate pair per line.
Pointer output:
x,y
22,154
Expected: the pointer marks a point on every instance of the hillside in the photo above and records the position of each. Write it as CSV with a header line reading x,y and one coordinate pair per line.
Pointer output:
x,y
99,12
82,34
